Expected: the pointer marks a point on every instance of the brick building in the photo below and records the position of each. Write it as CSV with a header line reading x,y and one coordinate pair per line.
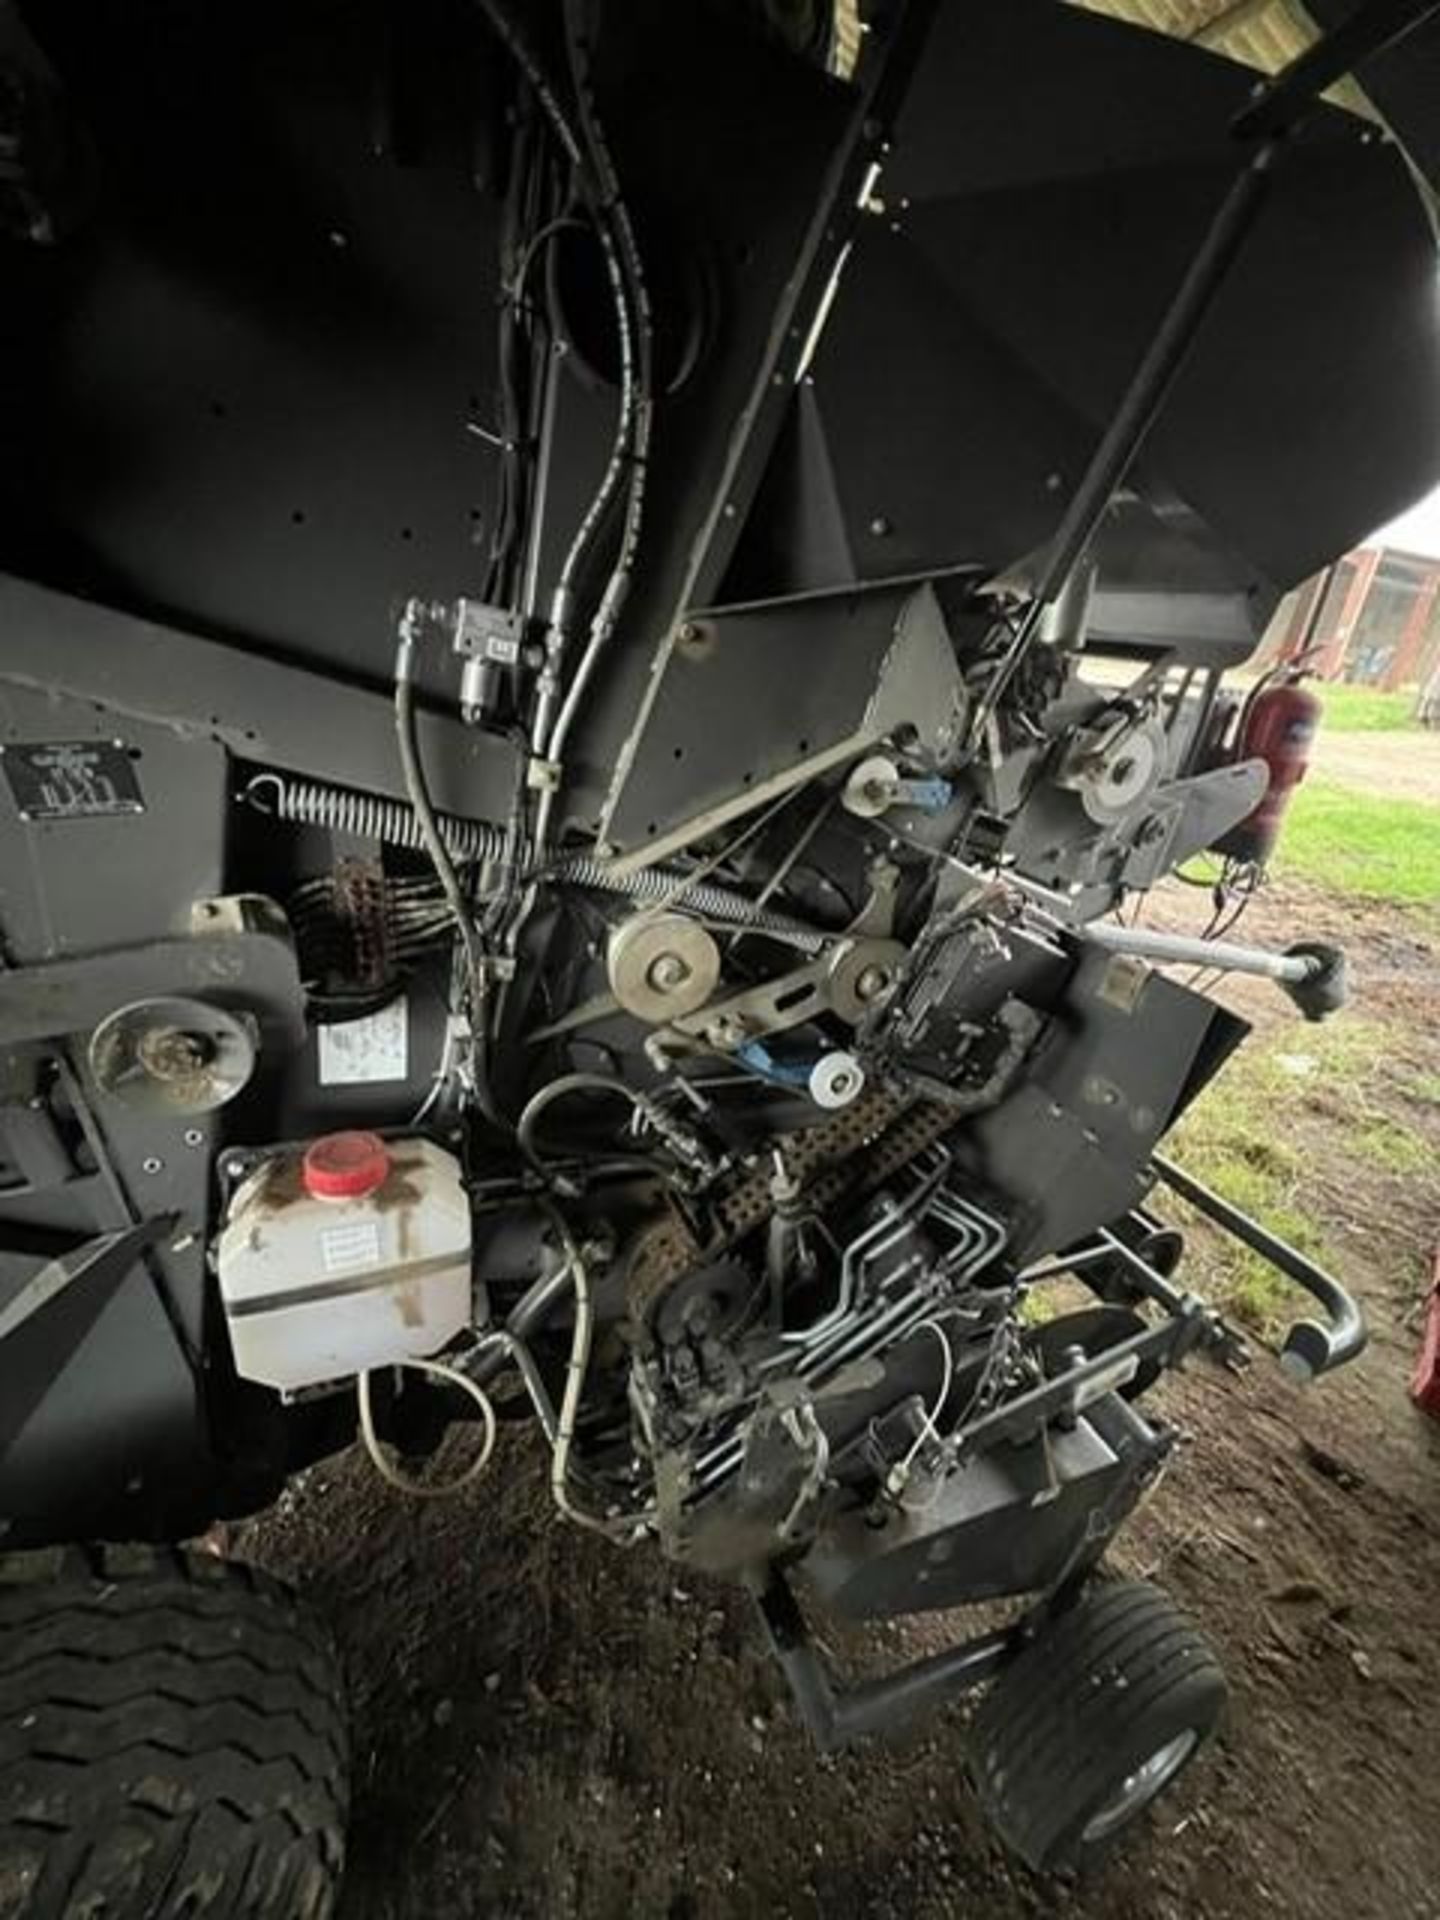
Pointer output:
x,y
1373,619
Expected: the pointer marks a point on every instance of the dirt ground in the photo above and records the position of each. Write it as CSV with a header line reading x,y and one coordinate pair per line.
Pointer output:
x,y
548,1727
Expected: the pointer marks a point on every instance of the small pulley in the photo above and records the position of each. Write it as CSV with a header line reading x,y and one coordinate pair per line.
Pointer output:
x,y
173,1056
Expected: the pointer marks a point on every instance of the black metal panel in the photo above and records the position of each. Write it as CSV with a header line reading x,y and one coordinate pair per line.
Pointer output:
x,y
752,699
1006,1524
1052,175
163,684
1404,83
117,1429
238,394
1070,1145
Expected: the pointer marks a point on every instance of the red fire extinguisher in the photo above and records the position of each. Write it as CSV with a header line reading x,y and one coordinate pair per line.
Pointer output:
x,y
1277,724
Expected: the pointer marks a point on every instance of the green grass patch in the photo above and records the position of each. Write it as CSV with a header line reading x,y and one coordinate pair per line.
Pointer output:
x,y
1235,1139
1366,709
1225,1143
1363,844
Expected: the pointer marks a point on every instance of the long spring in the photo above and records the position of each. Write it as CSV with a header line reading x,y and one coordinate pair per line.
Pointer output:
x,y
369,816
312,803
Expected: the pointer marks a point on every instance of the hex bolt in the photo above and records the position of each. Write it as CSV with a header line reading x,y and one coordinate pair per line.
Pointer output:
x,y
872,980
667,971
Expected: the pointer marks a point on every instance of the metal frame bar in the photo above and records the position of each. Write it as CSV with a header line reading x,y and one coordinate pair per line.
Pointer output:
x,y
836,1715
1309,1348
1282,100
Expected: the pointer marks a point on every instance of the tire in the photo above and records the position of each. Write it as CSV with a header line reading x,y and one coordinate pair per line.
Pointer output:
x,y
172,1741
1120,1681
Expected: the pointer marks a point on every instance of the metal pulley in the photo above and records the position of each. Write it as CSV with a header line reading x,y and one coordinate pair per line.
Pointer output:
x,y
173,1056
662,966
877,785
1114,766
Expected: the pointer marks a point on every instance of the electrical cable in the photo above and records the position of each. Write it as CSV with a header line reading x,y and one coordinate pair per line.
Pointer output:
x,y
420,1489
590,158
900,1472
425,820
632,437
576,1368
677,1138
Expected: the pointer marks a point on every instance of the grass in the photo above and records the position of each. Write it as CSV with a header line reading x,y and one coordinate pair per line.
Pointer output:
x,y
1367,710
1363,844
1229,1139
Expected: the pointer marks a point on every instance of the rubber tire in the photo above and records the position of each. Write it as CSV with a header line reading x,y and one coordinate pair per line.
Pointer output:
x,y
172,1741
1104,1685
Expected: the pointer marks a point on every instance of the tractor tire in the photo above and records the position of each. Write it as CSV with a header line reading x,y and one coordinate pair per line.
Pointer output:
x,y
1077,1737
172,1741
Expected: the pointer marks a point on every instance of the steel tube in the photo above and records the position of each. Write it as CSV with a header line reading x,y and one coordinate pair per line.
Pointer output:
x,y
1308,1347
1178,949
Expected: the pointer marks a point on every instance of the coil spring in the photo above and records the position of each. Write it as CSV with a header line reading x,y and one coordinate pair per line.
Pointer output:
x,y
370,816
312,803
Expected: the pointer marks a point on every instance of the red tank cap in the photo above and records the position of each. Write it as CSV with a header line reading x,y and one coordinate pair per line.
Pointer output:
x,y
344,1166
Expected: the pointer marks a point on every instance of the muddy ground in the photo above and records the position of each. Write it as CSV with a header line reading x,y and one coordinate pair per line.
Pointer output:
x,y
546,1727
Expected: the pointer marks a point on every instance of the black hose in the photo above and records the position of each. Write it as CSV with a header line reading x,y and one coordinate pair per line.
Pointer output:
x,y
439,854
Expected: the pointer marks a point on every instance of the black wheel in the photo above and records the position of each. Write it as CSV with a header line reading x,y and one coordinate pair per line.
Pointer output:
x,y
172,1741
1095,1718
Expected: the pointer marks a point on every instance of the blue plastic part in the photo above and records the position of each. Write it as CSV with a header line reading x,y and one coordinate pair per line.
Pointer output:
x,y
930,796
783,1073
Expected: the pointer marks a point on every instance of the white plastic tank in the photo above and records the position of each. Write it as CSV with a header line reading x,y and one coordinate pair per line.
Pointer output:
x,y
352,1253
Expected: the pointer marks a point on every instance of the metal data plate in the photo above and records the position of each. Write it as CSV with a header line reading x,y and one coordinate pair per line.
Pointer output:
x,y
751,701
71,779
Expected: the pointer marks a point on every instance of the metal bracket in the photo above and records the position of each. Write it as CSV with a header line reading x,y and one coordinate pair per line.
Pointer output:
x,y
835,1714
240,954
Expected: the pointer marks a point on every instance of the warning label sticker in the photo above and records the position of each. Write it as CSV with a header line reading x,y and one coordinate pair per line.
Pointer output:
x,y
354,1052
71,779
351,1248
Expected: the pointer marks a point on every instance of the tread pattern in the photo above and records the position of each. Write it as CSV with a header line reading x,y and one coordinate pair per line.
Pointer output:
x,y
1103,1687
172,1741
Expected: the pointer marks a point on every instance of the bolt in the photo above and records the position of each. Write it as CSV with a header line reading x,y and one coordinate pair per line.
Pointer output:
x,y
880,526
667,971
872,980
151,1165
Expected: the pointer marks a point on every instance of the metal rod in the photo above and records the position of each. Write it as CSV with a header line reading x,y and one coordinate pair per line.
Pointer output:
x,y
1174,949
1308,1348
1280,101
1133,418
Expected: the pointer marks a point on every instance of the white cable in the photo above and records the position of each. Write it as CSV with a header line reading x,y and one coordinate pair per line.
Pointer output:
x,y
391,1474
900,1472
575,1370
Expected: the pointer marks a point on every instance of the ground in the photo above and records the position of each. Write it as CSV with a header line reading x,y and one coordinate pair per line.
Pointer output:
x,y
546,1727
